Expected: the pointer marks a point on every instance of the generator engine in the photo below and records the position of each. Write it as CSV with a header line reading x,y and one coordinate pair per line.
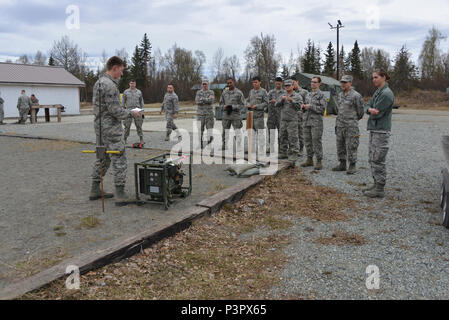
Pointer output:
x,y
161,179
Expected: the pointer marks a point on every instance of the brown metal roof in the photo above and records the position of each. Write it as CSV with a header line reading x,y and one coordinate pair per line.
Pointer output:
x,y
41,75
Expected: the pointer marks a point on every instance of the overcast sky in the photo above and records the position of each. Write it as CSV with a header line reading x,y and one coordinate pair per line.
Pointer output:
x,y
30,25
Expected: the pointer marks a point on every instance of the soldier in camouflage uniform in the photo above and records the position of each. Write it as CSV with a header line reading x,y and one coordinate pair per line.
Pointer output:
x,y
380,110
171,108
274,114
350,111
133,98
304,94
2,113
289,103
258,103
232,103
313,124
112,113
24,105
205,114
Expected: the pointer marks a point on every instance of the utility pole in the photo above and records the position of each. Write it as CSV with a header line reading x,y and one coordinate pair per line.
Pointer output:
x,y
338,27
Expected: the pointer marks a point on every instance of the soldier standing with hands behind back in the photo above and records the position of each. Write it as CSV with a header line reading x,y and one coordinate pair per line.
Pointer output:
x,y
313,124
205,114
132,99
350,111
107,98
171,108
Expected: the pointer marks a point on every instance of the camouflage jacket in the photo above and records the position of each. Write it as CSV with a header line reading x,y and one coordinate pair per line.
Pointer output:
x,y
350,108
304,94
274,95
34,102
289,110
204,99
24,102
171,103
236,100
133,99
1,102
106,97
318,103
259,99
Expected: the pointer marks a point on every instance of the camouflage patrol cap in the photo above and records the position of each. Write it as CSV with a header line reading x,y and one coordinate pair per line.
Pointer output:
x,y
346,78
288,82
205,81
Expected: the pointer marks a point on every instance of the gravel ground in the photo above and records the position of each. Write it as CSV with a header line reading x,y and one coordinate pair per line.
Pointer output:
x,y
403,232
44,187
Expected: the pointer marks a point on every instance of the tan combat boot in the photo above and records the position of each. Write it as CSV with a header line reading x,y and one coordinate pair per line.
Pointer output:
x,y
352,169
376,192
319,165
308,163
121,197
340,167
95,192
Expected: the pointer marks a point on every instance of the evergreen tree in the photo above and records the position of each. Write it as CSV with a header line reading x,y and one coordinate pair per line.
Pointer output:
x,y
285,74
145,56
307,62
356,65
404,73
51,61
316,62
329,63
381,60
138,68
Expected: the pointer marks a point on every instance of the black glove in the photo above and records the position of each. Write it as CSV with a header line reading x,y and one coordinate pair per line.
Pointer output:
x,y
229,109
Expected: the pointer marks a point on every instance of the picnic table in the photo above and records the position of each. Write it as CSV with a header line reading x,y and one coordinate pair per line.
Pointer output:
x,y
47,111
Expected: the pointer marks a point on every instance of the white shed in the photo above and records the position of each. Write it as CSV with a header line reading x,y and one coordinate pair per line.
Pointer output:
x,y
51,85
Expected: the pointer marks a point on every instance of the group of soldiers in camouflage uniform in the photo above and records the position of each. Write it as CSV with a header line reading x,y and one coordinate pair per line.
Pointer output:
x,y
24,104
296,113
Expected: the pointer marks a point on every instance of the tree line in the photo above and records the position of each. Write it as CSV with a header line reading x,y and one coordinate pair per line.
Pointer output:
x,y
154,70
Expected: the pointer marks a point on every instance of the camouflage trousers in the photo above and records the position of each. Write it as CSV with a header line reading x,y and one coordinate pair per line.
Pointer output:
x,y
171,126
227,123
2,113
205,122
273,123
113,142
313,140
347,143
258,123
23,114
288,140
138,121
301,130
379,144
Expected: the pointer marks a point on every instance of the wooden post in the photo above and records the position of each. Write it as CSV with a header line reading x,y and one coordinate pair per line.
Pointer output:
x,y
59,113
249,126
33,115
